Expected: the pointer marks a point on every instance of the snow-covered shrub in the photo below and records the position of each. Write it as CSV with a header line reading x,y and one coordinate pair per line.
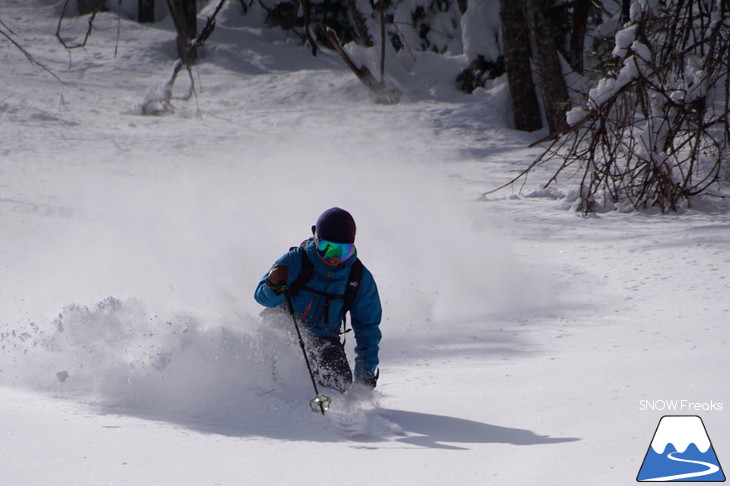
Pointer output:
x,y
481,36
429,25
415,25
301,17
655,131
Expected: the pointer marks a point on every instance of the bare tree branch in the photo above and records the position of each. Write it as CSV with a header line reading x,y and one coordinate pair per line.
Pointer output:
x,y
9,36
655,133
88,29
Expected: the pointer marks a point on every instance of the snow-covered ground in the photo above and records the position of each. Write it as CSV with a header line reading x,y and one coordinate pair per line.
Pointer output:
x,y
522,342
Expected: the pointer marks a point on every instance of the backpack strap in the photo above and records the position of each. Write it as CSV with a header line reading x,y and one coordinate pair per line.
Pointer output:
x,y
306,272
353,283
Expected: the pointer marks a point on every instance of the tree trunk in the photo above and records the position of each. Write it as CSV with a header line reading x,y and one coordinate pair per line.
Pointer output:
x,y
525,106
546,60
91,6
306,11
577,37
146,11
184,16
625,10
191,16
359,22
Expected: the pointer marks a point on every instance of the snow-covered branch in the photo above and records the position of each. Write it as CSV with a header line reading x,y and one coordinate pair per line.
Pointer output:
x,y
655,133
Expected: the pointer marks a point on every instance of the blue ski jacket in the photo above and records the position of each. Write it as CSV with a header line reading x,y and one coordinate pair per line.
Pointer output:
x,y
309,307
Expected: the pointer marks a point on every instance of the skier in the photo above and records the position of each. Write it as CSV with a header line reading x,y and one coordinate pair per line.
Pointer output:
x,y
324,280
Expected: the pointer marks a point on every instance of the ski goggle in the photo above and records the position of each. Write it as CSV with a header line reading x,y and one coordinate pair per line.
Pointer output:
x,y
330,249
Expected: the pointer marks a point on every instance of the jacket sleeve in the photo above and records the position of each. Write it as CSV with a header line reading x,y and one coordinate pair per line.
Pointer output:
x,y
366,313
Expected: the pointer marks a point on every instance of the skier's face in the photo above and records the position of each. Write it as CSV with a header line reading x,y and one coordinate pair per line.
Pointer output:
x,y
330,262
333,253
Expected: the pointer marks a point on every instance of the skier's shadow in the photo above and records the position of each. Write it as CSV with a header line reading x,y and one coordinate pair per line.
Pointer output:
x,y
442,432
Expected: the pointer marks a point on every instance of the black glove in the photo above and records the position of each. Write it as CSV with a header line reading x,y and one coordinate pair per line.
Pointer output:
x,y
278,276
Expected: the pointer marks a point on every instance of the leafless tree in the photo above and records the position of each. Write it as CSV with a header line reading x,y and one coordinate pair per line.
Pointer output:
x,y
384,94
546,62
656,132
576,51
184,16
532,64
163,103
146,11
525,106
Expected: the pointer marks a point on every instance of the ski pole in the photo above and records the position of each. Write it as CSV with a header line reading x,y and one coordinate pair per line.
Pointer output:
x,y
320,401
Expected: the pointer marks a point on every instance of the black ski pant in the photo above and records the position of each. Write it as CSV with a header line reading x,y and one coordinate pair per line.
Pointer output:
x,y
329,362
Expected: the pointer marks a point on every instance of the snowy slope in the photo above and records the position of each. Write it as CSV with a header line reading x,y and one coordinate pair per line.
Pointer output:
x,y
519,338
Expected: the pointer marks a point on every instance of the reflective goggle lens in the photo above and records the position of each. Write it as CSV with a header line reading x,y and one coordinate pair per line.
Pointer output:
x,y
329,249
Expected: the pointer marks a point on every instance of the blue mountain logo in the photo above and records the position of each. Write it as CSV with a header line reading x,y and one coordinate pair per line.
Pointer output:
x,y
681,451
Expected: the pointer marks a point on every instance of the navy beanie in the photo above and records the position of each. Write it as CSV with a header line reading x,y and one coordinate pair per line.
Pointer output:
x,y
336,225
